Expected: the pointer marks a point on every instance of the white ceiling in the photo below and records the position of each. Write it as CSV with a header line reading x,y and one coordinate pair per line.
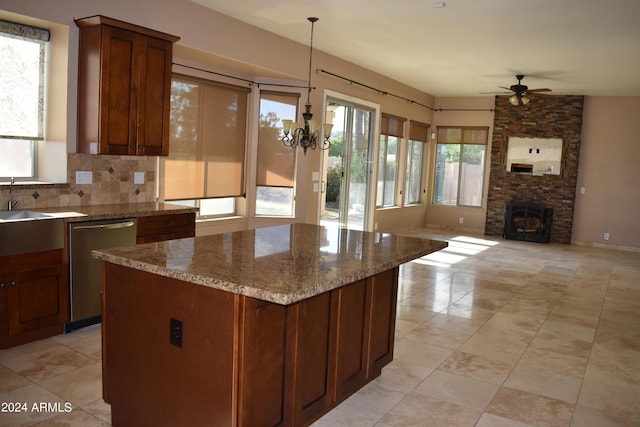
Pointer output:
x,y
469,47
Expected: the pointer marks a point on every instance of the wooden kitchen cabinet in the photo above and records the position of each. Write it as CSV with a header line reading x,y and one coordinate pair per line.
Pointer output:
x,y
157,228
299,361
243,361
124,87
34,296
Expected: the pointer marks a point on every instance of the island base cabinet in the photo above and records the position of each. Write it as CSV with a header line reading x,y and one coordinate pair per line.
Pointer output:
x,y
147,379
297,362
243,361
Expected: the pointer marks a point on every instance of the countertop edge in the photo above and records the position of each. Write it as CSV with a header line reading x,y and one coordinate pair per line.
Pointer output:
x,y
261,294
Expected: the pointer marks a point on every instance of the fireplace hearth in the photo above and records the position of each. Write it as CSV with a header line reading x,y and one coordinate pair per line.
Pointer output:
x,y
527,221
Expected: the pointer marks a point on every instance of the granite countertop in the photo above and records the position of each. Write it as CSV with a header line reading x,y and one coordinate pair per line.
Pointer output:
x,y
282,264
114,211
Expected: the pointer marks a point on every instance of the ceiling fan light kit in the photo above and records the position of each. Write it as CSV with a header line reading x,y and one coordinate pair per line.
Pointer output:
x,y
521,91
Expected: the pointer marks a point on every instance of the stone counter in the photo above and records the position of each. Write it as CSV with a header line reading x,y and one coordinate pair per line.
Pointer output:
x,y
282,264
115,211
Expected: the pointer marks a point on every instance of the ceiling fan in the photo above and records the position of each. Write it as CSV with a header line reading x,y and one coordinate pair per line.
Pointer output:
x,y
521,91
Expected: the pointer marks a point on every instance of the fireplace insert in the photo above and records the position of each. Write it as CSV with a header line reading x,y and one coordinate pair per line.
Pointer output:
x,y
527,221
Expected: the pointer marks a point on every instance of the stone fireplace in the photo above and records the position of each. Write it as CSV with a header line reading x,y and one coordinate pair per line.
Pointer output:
x,y
544,117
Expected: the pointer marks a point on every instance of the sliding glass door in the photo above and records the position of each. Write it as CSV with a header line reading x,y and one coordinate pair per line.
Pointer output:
x,y
347,188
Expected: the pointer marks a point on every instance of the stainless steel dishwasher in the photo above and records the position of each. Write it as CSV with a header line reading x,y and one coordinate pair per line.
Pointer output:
x,y
85,274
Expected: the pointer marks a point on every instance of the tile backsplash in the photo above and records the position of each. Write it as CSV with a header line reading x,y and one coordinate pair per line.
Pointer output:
x,y
112,182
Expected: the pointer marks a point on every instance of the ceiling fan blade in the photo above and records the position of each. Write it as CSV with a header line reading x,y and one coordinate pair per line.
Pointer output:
x,y
507,88
539,90
496,93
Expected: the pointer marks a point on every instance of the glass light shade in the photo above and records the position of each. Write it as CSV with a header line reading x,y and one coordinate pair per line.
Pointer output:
x,y
313,126
294,125
286,125
513,100
327,129
525,100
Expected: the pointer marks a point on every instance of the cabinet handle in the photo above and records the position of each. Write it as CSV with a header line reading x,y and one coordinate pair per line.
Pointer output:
x,y
13,284
3,285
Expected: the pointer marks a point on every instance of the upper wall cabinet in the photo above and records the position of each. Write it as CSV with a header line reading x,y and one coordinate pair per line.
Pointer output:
x,y
124,87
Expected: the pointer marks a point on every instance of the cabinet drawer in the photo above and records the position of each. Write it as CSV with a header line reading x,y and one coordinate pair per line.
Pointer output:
x,y
157,228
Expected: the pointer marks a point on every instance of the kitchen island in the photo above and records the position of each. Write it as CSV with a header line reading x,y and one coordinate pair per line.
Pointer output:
x,y
265,327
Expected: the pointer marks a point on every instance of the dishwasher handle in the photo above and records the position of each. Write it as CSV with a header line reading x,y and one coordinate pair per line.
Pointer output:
x,y
113,226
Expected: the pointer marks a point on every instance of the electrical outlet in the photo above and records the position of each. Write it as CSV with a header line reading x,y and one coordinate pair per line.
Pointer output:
x,y
461,220
138,177
84,177
175,332
606,236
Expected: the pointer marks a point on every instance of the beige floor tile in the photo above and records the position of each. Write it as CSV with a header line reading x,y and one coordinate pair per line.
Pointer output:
x,y
44,361
490,420
522,406
29,411
403,376
417,410
439,336
87,384
544,382
477,367
563,345
457,389
610,398
76,418
10,380
589,417
420,353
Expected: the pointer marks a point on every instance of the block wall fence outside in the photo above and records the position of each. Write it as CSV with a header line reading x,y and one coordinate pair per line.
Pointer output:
x,y
544,117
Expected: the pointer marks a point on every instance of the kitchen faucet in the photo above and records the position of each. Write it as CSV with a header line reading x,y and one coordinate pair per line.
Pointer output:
x,y
12,203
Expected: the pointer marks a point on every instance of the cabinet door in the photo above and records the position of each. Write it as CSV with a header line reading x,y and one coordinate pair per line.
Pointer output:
x,y
352,338
383,293
264,365
154,97
37,299
314,321
119,93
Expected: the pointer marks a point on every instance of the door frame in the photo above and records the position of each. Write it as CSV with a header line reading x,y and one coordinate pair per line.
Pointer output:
x,y
375,131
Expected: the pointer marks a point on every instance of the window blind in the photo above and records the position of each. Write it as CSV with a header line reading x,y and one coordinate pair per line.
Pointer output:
x,y
276,163
418,131
392,125
22,61
207,140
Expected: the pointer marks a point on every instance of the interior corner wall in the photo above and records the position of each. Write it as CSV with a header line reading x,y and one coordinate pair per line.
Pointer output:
x,y
543,117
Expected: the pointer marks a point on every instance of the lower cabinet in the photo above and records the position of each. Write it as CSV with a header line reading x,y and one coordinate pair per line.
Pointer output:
x,y
239,361
297,362
157,228
34,295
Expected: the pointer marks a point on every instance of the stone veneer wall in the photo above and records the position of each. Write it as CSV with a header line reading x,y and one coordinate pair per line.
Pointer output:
x,y
112,183
543,117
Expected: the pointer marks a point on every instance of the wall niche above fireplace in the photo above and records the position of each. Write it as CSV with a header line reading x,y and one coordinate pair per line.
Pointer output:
x,y
538,156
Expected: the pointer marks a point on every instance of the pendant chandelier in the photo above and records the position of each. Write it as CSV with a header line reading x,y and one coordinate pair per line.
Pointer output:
x,y
307,136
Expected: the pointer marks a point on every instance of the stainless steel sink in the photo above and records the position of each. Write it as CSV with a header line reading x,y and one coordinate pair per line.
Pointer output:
x,y
23,231
22,215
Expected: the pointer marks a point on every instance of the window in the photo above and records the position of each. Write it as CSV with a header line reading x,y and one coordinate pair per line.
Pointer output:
x,y
414,185
22,88
391,132
207,142
459,170
276,166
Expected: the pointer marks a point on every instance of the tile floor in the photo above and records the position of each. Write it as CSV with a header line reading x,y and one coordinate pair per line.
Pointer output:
x,y
489,333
